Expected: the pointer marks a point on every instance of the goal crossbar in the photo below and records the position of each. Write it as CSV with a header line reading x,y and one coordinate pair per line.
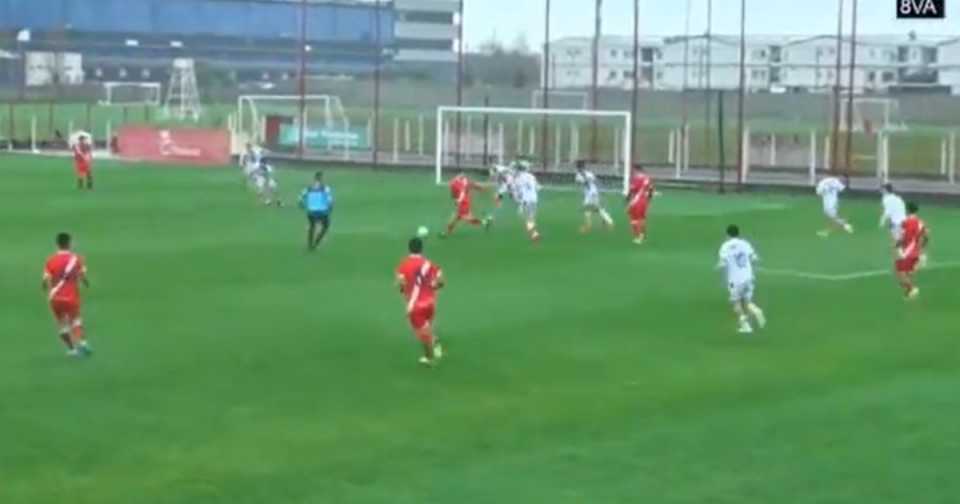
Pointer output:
x,y
626,144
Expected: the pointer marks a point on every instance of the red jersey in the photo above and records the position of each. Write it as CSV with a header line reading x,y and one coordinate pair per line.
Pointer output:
x,y
641,187
82,155
460,188
63,272
911,242
420,277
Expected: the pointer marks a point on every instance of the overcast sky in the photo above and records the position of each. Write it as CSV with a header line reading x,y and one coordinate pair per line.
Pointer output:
x,y
508,18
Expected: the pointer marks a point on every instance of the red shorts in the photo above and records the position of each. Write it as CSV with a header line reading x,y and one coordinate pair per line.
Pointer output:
x,y
908,265
421,316
82,169
65,311
638,211
463,209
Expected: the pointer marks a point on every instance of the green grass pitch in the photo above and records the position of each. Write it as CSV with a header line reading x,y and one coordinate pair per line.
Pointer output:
x,y
234,367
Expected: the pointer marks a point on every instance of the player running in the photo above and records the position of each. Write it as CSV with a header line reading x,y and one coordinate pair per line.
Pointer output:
x,y
419,280
62,276
250,162
266,184
638,202
591,198
502,176
317,200
737,257
460,188
910,251
829,190
894,212
83,162
528,196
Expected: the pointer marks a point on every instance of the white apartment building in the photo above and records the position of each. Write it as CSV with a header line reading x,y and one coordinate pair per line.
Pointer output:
x,y
571,62
426,30
948,64
774,63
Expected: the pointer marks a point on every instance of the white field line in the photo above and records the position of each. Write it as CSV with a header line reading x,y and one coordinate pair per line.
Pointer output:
x,y
858,275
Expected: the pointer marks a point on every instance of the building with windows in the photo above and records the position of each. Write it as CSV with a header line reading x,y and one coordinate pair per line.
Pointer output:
x,y
127,40
773,63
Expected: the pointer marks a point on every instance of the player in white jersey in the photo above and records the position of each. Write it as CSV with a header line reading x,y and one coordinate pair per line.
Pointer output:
x,y
528,196
894,212
266,184
591,198
829,190
250,162
737,258
502,176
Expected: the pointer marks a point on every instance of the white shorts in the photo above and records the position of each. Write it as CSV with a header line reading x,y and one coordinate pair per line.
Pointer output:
x,y
264,183
831,211
249,170
528,209
896,231
741,291
591,199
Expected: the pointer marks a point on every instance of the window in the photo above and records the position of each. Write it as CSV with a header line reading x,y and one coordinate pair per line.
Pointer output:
x,y
628,74
428,17
614,53
122,73
613,75
758,74
871,77
888,76
873,53
574,53
660,75
145,73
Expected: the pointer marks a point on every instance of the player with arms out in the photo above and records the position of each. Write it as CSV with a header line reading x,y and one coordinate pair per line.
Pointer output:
x,y
62,275
317,200
419,279
894,212
460,190
502,177
737,258
528,196
591,198
829,190
910,251
638,202
83,162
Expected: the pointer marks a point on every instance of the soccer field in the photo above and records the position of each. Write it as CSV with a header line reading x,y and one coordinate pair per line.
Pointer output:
x,y
234,367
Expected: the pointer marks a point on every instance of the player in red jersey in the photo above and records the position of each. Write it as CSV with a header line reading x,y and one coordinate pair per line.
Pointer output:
x,y
910,247
638,201
62,276
419,279
460,188
83,163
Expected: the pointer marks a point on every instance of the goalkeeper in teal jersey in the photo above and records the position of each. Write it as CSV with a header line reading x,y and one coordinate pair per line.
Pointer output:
x,y
317,201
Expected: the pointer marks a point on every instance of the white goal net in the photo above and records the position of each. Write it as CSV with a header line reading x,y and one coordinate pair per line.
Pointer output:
x,y
131,93
871,115
553,140
282,122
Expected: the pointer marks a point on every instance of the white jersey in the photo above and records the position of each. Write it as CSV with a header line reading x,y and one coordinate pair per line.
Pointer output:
x,y
504,176
737,257
591,193
250,161
894,210
829,190
527,187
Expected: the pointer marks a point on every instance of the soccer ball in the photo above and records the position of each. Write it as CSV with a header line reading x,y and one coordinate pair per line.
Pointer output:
x,y
422,232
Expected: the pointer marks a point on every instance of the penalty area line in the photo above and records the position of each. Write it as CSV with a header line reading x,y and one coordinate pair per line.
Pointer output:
x,y
857,275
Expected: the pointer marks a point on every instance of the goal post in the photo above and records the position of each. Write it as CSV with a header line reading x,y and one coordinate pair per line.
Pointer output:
x,y
277,122
492,135
131,93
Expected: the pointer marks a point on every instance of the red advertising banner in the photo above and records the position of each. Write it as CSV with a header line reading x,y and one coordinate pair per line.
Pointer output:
x,y
196,146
